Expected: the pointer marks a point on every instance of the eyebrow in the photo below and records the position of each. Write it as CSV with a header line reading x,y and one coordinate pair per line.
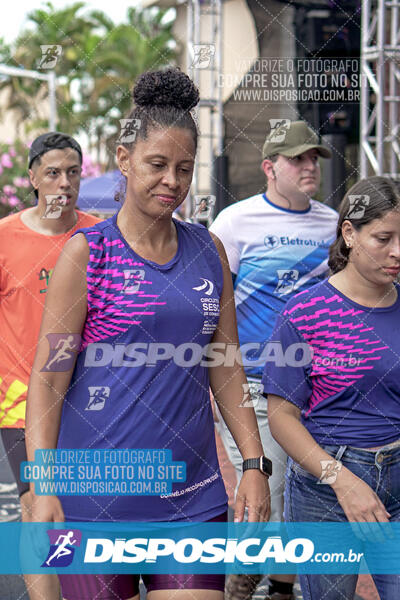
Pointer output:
x,y
165,157
58,168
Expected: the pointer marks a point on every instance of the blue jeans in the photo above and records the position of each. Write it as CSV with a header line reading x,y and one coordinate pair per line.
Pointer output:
x,y
306,500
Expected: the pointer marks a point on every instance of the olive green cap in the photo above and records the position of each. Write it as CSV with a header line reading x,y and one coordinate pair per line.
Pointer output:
x,y
291,138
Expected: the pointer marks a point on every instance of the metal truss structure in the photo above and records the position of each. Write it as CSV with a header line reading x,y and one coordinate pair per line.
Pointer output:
x,y
380,88
204,66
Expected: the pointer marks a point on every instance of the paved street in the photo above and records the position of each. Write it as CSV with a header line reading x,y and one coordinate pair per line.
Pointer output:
x,y
12,587
9,503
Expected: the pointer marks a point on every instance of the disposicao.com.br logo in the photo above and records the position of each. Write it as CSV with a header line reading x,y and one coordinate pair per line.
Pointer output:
x,y
193,550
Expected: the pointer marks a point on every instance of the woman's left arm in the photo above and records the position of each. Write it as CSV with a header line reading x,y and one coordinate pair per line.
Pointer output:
x,y
227,386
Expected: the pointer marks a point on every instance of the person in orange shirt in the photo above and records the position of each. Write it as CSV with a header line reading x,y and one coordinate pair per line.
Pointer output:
x,y
30,243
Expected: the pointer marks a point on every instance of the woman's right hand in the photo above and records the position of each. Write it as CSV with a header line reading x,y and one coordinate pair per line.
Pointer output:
x,y
358,501
46,509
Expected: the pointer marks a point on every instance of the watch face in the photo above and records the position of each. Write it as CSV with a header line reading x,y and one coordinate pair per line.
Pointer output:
x,y
266,465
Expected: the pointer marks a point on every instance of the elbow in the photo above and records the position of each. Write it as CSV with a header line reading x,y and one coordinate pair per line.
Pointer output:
x,y
280,414
273,417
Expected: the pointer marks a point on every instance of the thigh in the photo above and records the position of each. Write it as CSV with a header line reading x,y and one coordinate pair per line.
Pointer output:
x,y
200,585
182,595
14,446
308,500
389,486
388,586
174,586
328,587
100,587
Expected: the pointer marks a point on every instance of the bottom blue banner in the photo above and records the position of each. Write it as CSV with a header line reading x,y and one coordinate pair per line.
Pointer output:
x,y
82,547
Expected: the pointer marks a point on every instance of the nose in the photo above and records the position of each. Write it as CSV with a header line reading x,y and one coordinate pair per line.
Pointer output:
x,y
311,163
170,178
395,249
64,180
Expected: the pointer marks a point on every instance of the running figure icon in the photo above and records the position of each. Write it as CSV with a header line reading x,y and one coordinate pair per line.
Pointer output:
x,y
62,542
64,350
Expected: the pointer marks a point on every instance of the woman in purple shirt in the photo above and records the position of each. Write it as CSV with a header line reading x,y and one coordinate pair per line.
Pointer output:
x,y
337,391
145,294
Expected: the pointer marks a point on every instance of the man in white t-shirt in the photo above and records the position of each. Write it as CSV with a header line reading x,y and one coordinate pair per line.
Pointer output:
x,y
277,245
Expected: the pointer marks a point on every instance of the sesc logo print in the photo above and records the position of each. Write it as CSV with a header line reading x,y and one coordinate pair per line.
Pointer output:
x,y
207,286
62,547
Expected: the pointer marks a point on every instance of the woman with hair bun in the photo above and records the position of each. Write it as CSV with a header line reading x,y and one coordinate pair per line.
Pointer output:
x,y
336,408
145,294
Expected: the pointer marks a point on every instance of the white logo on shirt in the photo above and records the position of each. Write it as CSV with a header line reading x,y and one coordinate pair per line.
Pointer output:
x,y
98,397
133,279
207,286
286,281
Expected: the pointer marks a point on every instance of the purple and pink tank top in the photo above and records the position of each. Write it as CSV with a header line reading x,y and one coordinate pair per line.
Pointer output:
x,y
339,362
140,380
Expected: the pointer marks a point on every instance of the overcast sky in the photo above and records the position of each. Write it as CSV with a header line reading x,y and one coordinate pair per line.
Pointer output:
x,y
14,19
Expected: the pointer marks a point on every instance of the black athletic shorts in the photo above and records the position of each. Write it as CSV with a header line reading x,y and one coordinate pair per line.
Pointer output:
x,y
14,445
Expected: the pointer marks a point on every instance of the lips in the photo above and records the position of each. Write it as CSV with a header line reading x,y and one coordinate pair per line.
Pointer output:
x,y
65,199
392,270
166,199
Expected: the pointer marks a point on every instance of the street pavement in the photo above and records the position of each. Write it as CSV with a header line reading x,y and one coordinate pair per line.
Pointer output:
x,y
12,587
9,501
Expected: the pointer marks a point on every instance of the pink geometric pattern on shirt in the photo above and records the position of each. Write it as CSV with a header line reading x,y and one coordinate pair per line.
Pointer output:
x,y
342,350
110,310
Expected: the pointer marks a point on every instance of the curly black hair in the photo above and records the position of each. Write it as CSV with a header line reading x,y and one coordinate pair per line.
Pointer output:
x,y
164,99
165,88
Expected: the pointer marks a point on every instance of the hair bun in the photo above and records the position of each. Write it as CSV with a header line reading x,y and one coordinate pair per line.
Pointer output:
x,y
168,87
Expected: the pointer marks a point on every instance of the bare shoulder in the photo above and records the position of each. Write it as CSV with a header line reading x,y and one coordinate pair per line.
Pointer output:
x,y
77,249
72,263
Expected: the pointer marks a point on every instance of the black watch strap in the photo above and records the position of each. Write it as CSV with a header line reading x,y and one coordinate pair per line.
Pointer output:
x,y
262,463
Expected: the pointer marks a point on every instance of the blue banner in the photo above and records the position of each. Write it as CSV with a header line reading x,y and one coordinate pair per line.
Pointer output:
x,y
82,547
80,472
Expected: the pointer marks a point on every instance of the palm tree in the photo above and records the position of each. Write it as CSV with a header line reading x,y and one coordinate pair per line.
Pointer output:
x,y
50,27
125,51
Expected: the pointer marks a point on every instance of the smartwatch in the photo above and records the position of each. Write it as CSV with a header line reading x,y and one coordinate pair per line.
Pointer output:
x,y
262,463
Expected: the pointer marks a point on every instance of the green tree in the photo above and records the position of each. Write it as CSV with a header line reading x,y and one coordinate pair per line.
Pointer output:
x,y
125,51
96,69
48,26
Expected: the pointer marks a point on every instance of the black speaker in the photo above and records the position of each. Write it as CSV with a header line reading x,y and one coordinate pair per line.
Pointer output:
x,y
332,33
220,183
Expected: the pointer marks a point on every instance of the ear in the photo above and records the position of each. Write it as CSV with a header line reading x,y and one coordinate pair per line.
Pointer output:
x,y
348,233
268,167
123,155
33,178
